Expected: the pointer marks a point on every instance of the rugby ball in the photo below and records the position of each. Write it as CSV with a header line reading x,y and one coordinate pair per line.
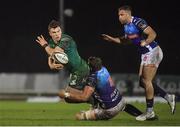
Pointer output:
x,y
60,57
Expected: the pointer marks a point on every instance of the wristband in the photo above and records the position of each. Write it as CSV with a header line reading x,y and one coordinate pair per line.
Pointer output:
x,y
45,45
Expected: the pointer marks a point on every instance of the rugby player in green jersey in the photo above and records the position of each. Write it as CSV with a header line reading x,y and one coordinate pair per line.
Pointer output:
x,y
78,68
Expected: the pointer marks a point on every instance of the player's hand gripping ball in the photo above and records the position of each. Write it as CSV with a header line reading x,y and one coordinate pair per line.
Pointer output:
x,y
60,57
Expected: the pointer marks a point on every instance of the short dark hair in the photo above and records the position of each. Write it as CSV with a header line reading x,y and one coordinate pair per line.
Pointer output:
x,y
53,24
95,63
125,7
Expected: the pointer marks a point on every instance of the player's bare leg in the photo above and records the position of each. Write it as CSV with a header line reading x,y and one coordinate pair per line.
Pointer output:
x,y
148,73
170,98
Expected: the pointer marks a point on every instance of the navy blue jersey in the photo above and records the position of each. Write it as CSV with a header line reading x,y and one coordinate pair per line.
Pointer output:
x,y
134,32
105,91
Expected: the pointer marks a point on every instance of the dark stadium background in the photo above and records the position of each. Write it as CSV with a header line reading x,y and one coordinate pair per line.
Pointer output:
x,y
21,21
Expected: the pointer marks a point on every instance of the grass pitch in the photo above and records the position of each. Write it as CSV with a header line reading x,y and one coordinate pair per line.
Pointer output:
x,y
19,113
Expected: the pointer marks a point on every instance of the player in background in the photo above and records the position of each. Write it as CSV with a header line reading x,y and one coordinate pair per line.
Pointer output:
x,y
100,85
77,67
151,56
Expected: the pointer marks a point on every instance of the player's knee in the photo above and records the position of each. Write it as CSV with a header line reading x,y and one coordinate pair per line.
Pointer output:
x,y
141,82
145,82
94,102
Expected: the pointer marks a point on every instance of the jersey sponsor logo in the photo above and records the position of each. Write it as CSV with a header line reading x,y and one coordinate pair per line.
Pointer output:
x,y
133,36
115,95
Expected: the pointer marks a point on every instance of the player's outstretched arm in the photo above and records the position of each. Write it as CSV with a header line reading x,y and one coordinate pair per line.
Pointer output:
x,y
119,40
81,96
110,38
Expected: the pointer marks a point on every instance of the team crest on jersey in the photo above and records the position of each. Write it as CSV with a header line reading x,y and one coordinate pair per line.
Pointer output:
x,y
145,58
142,25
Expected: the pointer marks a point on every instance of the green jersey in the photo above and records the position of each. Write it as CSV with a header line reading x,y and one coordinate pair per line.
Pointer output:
x,y
76,65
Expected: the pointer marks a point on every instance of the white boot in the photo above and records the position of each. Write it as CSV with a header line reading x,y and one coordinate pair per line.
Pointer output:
x,y
172,102
146,116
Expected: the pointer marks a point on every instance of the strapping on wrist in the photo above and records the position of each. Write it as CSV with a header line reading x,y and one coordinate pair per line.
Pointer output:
x,y
45,45
66,94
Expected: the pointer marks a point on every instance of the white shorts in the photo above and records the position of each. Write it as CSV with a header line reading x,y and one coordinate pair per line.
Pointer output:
x,y
155,56
105,114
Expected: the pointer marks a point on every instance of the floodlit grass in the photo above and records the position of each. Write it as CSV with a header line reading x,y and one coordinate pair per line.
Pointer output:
x,y
19,113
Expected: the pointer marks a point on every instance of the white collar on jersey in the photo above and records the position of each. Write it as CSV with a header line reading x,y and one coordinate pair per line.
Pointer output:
x,y
132,17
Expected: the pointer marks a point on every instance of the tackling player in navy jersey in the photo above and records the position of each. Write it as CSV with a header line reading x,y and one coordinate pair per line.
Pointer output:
x,y
151,56
100,85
